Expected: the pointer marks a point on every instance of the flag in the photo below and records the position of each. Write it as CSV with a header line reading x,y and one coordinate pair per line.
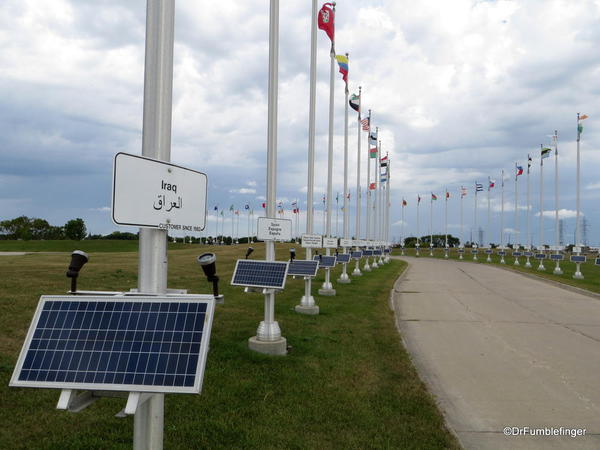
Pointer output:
x,y
491,183
373,137
580,125
216,208
463,191
326,20
355,103
433,196
366,124
404,203
373,152
323,199
231,208
546,152
247,206
294,203
264,205
280,204
237,212
221,212
478,187
348,196
384,161
342,61
519,170
529,161
418,199
372,186
384,177
447,195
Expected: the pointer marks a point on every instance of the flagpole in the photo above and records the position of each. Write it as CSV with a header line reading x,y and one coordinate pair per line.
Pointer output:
x,y
375,212
462,232
387,207
379,191
446,223
344,278
529,237
557,269
541,247
418,244
502,223
381,205
337,213
431,226
402,230
248,225
488,234
367,267
327,287
578,244
356,271
268,337
475,221
516,217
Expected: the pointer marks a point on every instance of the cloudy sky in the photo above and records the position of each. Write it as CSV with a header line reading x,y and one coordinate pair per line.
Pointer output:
x,y
460,91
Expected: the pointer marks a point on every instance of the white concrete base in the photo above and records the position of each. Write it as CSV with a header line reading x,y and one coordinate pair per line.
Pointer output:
x,y
578,276
367,268
557,271
327,292
527,264
541,267
356,273
309,310
278,347
346,280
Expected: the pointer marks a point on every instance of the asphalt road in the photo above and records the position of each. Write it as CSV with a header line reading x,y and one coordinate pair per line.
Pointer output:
x,y
498,349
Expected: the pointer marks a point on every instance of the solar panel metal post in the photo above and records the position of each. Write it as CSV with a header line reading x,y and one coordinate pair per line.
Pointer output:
x,y
327,287
307,302
356,271
268,337
156,143
344,278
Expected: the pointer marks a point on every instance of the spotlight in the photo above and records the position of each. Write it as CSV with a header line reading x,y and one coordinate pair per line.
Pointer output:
x,y
208,263
249,251
78,260
292,254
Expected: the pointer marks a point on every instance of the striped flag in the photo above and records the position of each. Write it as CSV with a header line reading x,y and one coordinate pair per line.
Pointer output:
x,y
366,123
546,152
463,191
433,196
355,103
342,61
478,187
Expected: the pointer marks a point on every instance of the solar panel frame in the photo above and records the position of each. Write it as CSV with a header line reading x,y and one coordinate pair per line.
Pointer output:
x,y
367,252
295,270
343,258
279,279
376,252
114,355
578,258
325,262
356,254
556,257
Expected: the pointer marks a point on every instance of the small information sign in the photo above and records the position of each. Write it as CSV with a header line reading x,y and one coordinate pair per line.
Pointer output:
x,y
346,242
312,241
330,242
274,229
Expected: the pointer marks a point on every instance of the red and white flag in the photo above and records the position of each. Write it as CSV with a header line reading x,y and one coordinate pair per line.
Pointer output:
x,y
326,20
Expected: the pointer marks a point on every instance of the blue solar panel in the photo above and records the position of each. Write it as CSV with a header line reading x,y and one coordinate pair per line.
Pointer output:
x,y
516,253
578,258
325,261
501,252
474,251
387,251
489,251
145,344
540,256
597,261
265,274
356,255
556,257
367,252
377,252
305,268
343,257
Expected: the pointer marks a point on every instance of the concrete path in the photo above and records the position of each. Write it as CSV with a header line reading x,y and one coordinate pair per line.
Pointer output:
x,y
12,253
498,349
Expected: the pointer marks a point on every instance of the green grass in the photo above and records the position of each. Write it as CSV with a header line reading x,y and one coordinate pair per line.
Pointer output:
x,y
99,245
590,271
347,382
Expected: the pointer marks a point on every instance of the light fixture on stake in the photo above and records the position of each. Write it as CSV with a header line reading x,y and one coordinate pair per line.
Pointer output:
x,y
208,263
78,260
249,252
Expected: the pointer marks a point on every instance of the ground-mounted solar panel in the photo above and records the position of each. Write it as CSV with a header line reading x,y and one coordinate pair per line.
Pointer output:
x,y
367,253
325,261
387,251
343,257
556,257
597,262
303,268
356,255
540,256
517,254
502,252
377,252
489,251
261,274
578,258
117,343
530,254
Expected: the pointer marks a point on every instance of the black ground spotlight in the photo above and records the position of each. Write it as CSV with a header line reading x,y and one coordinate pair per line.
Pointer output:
x,y
208,263
78,260
292,254
249,252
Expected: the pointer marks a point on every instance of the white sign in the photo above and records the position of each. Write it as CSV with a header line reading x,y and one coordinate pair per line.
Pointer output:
x,y
157,194
527,247
346,242
274,229
576,249
330,242
312,241
557,247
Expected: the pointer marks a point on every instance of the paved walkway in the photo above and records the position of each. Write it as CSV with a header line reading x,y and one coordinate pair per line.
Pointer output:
x,y
498,349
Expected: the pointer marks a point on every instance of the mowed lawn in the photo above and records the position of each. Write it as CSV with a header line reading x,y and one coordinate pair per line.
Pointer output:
x,y
347,382
590,271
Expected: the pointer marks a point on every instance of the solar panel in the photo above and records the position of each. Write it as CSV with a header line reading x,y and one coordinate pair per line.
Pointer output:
x,y
343,257
377,252
489,251
540,256
556,257
304,268
356,255
325,261
117,343
387,251
367,253
528,254
262,274
516,253
578,258
502,252
597,262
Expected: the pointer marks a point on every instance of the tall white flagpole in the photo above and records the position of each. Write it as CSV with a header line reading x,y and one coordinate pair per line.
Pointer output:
x,y
446,223
344,278
268,337
488,233
528,237
502,222
402,230
327,287
578,243
418,244
356,271
375,212
387,206
369,213
380,214
337,214
431,225
475,221
541,246
156,143
557,269
248,214
462,222
516,244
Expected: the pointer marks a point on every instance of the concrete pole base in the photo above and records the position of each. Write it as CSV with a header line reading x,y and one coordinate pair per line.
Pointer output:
x,y
527,264
374,265
327,292
343,280
460,256
517,262
557,270
277,347
356,273
541,267
578,275
502,261
308,310
367,268
475,258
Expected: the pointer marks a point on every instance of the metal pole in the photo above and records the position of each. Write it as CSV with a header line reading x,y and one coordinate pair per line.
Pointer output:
x,y
156,143
356,271
431,226
387,206
446,223
268,330
418,244
502,222
578,244
462,232
402,230
541,247
475,221
375,212
367,267
516,244
327,287
529,238
488,234
337,213
344,278
557,269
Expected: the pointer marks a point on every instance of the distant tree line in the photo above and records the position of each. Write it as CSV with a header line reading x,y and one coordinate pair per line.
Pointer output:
x,y
32,228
